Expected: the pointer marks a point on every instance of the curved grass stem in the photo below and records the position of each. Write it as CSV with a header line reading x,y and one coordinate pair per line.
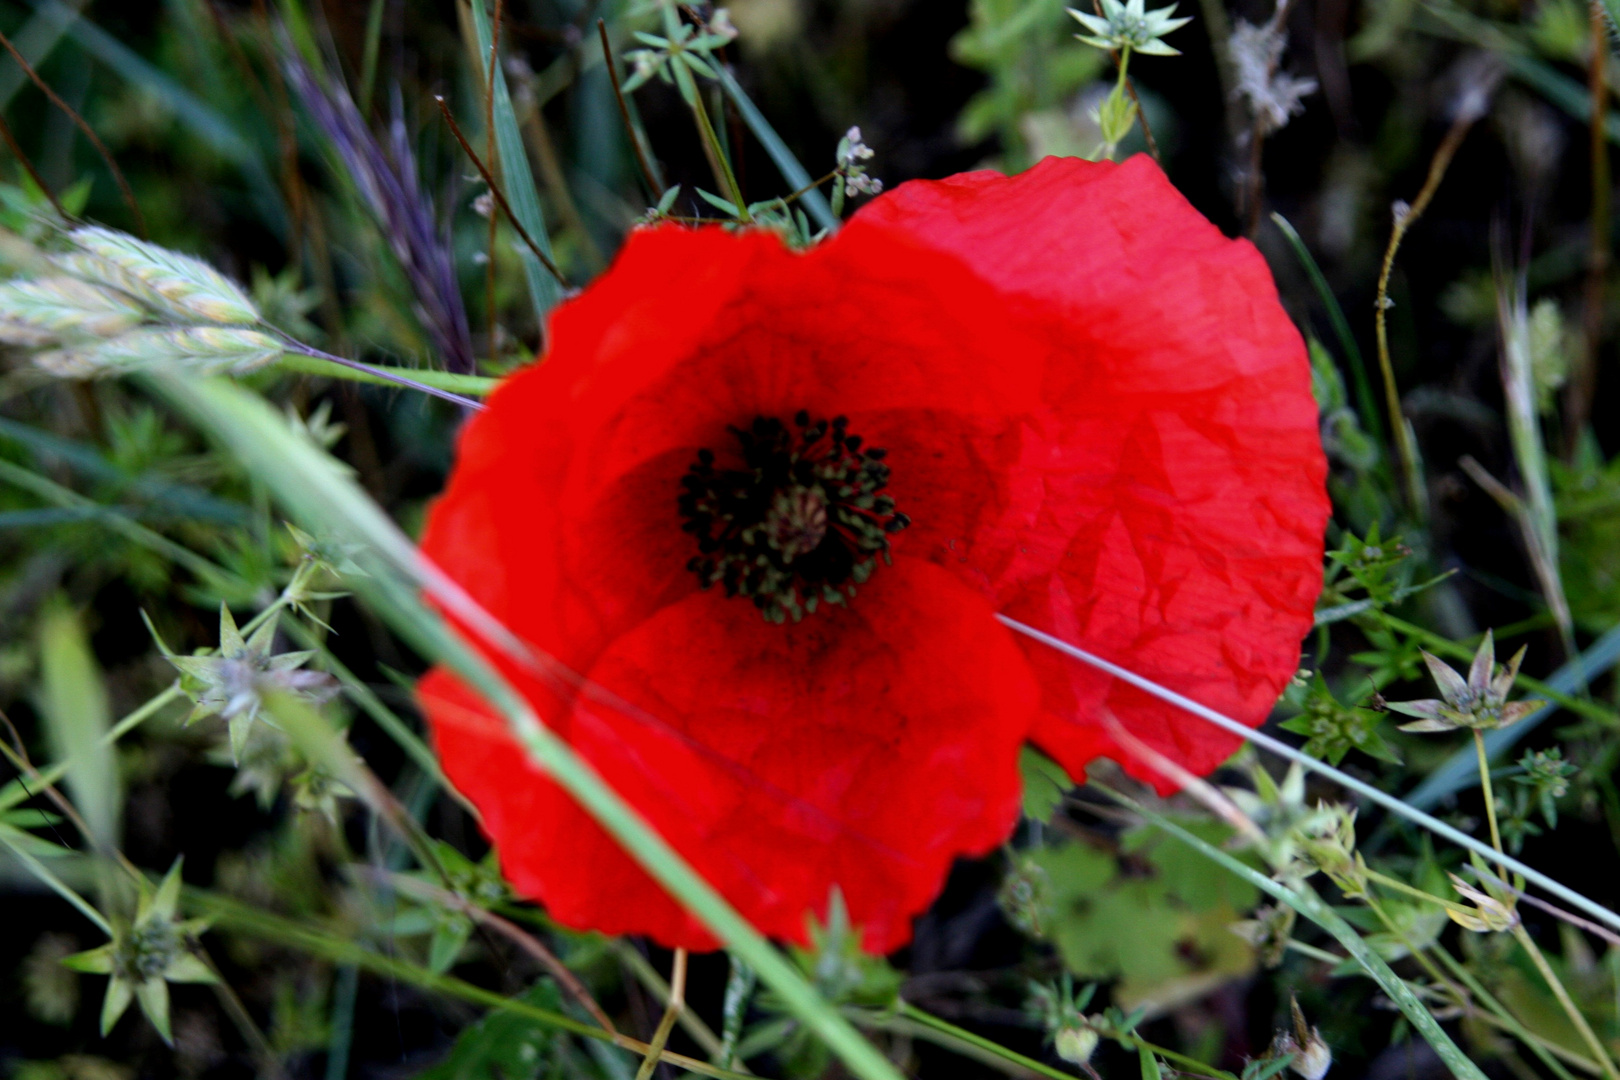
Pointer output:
x,y
1405,218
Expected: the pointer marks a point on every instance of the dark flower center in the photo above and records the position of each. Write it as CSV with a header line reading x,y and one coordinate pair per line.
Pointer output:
x,y
800,524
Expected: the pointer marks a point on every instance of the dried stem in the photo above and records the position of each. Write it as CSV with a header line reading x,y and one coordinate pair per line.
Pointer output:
x,y
677,1002
89,133
28,167
500,196
1404,221
1193,785
654,188
1255,193
489,152
509,930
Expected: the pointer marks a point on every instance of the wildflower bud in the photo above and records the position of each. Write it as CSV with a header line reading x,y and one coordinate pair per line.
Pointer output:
x,y
1076,1044
1312,1056
1315,1058
1400,209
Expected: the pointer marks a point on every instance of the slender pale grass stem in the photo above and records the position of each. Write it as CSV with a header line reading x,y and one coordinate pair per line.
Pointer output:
x,y
1520,934
1404,221
1402,887
1485,787
1498,1016
1588,1036
1315,953
672,1010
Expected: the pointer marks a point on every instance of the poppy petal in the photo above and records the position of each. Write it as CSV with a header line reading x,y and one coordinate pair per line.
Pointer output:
x,y
859,749
1186,475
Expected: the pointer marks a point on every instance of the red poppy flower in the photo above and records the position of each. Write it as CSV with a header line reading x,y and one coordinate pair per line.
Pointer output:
x,y
767,504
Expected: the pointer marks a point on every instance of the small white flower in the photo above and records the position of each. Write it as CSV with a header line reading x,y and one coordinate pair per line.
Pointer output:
x,y
1130,26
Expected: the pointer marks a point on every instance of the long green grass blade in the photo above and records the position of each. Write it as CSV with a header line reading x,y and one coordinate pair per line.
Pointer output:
x,y
1305,901
517,179
77,715
788,165
314,488
1366,403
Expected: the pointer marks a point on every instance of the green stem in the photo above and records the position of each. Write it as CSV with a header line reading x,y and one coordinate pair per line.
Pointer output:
x,y
1485,786
472,385
1400,886
56,885
1547,1051
1593,1043
911,1012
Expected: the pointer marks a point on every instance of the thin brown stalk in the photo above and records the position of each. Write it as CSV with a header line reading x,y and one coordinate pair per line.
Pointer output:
x,y
1404,220
28,166
654,188
286,140
1583,385
500,196
489,152
514,933
677,1003
89,132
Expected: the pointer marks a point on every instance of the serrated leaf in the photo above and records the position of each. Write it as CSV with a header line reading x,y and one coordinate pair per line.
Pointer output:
x,y
1045,783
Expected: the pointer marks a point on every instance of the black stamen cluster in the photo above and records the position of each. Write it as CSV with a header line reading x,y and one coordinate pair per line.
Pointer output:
x,y
800,524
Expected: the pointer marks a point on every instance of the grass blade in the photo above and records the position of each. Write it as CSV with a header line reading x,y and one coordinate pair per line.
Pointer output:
x,y
1366,403
788,165
517,180
77,715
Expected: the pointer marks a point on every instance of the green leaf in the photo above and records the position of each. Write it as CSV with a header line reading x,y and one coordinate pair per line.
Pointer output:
x,y
788,165
78,713
1045,783
1150,1064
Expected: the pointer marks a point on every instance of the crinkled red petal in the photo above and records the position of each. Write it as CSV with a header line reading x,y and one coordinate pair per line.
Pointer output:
x,y
860,750
1184,491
